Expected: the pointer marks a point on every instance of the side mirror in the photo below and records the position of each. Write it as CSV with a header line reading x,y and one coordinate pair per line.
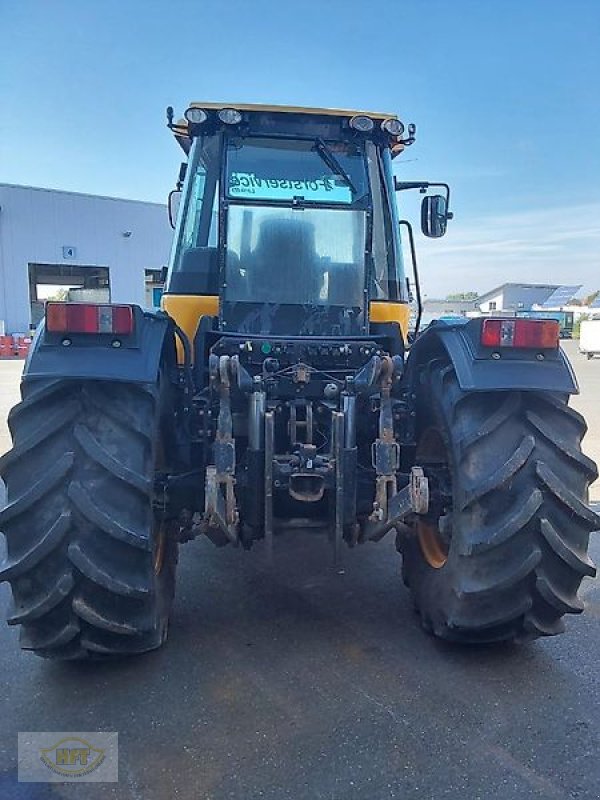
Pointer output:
x,y
173,206
434,215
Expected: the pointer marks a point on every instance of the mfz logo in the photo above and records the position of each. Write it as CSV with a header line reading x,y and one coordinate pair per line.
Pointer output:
x,y
72,757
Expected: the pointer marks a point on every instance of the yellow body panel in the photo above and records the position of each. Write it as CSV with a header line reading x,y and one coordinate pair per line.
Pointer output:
x,y
384,311
186,310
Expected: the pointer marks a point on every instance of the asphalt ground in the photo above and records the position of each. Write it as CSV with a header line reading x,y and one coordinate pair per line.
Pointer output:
x,y
310,682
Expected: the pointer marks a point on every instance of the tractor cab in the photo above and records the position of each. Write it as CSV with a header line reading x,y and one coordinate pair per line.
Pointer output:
x,y
286,221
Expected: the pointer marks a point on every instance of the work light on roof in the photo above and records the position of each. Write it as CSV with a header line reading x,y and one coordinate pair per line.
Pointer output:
x,y
195,115
393,127
361,123
230,116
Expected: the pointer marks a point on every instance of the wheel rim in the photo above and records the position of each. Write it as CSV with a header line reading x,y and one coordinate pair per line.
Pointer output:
x,y
434,549
432,451
160,542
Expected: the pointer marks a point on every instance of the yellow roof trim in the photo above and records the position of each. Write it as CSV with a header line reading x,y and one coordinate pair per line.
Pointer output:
x,y
326,112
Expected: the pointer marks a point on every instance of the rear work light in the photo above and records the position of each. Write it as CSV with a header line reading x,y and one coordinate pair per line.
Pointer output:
x,y
88,318
536,333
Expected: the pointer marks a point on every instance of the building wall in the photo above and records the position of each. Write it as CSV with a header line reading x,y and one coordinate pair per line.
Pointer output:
x,y
493,304
36,224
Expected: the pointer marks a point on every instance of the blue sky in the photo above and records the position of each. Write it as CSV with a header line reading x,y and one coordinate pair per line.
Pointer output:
x,y
505,96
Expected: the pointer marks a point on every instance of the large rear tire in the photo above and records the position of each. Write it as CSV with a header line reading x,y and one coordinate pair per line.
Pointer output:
x,y
91,571
504,561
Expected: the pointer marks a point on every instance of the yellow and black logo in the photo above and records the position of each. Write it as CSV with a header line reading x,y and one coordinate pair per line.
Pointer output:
x,y
72,757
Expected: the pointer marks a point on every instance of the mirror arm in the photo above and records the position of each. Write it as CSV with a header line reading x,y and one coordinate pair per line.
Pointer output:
x,y
446,187
413,256
422,186
401,186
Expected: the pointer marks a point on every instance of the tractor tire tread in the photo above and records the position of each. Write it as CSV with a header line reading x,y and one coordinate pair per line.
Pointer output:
x,y
78,535
521,524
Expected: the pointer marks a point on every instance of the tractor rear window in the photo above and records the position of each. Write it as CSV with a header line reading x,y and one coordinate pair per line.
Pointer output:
x,y
281,255
312,171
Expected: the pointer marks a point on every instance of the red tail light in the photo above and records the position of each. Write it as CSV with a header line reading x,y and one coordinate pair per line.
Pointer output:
x,y
537,333
88,318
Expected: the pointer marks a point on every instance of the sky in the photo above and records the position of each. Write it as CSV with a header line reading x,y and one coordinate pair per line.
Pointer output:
x,y
505,95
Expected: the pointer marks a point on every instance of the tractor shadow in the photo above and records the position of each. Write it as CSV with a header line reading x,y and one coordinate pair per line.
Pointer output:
x,y
232,609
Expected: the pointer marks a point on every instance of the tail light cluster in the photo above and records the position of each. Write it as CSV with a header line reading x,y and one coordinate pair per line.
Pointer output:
x,y
89,318
536,333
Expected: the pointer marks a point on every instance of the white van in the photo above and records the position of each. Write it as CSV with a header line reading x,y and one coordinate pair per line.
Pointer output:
x,y
589,338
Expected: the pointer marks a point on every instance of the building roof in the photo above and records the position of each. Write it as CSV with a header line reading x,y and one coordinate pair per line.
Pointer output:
x,y
80,194
562,296
546,288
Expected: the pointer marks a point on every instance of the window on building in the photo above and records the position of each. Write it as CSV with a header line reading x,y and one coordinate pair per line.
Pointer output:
x,y
154,286
492,305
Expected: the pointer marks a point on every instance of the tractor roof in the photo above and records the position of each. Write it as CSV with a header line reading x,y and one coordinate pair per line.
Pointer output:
x,y
181,128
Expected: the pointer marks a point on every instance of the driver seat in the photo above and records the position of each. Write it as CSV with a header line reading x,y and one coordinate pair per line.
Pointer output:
x,y
285,266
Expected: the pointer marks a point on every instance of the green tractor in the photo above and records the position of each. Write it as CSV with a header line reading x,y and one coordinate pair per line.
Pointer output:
x,y
281,386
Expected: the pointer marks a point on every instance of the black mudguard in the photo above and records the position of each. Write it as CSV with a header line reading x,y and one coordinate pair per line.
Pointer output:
x,y
488,369
134,358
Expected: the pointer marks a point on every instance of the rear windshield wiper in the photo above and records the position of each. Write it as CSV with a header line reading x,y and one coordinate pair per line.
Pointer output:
x,y
333,164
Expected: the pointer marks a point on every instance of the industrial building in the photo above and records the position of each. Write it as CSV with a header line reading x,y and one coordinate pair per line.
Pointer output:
x,y
78,247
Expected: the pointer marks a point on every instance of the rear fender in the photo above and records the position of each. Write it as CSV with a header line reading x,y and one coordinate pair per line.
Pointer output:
x,y
488,369
136,358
